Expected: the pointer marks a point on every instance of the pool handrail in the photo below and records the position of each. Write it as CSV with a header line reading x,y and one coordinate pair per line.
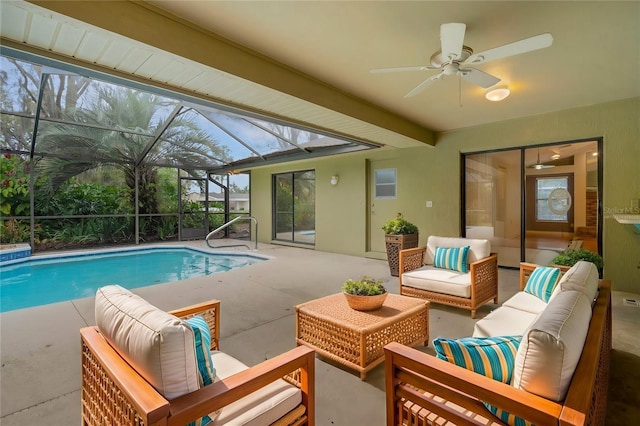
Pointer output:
x,y
212,233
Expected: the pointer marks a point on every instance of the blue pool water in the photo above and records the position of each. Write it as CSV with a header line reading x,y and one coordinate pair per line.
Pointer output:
x,y
40,281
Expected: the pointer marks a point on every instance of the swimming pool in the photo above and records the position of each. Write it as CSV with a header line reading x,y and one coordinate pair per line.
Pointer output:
x,y
48,279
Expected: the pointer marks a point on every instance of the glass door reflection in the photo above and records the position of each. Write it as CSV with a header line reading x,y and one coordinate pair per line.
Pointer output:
x,y
492,202
558,185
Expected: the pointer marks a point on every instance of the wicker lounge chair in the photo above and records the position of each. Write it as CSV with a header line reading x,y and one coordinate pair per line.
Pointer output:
x,y
420,278
113,392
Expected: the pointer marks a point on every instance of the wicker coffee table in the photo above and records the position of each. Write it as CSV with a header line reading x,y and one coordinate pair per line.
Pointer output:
x,y
356,339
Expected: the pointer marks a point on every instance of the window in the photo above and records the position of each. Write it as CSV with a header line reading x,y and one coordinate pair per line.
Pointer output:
x,y
385,183
294,216
553,199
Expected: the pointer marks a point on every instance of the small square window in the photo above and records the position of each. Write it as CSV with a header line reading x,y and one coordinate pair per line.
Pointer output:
x,y
385,183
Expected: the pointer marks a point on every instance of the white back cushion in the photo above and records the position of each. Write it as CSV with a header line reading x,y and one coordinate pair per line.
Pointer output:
x,y
583,276
551,347
478,249
158,345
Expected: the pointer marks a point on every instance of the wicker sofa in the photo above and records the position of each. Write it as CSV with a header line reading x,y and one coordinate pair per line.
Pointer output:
x,y
468,290
125,385
422,389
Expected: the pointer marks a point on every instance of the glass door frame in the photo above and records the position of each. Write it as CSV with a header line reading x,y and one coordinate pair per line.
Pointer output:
x,y
523,205
295,181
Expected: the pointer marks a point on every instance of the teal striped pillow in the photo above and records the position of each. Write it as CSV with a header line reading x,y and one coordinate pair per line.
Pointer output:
x,y
542,281
509,419
454,258
493,357
202,339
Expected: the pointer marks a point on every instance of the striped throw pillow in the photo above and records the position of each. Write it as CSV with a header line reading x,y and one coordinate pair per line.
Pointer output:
x,y
202,341
509,419
493,357
542,281
202,336
454,258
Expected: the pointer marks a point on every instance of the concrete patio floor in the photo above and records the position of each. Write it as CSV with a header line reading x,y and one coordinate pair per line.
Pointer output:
x,y
40,346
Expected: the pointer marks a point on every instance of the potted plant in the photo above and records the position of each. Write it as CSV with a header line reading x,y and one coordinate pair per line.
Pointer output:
x,y
365,294
400,234
570,257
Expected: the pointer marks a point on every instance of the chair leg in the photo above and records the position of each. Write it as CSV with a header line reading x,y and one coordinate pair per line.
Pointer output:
x,y
473,314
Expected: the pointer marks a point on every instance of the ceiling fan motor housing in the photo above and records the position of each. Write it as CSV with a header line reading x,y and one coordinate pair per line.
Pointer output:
x,y
450,69
437,60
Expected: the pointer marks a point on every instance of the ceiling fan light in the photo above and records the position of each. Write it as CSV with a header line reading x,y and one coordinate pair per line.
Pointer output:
x,y
497,94
539,166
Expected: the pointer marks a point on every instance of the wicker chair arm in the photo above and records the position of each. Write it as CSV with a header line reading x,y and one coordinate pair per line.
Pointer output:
x,y
196,404
410,259
484,276
210,311
525,272
414,375
99,357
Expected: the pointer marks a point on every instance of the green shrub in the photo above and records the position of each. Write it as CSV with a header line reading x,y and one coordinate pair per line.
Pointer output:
x,y
14,231
572,256
399,226
14,186
367,286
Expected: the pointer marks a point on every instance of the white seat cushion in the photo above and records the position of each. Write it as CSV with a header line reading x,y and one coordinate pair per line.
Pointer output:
x,y
583,276
262,407
526,302
439,280
478,249
504,321
158,345
551,348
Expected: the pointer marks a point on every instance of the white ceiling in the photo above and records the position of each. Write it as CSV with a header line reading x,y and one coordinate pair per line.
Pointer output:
x,y
595,56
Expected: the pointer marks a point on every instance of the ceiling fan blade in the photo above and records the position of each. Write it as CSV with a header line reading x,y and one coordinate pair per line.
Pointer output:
x,y
402,69
420,87
451,39
523,46
479,78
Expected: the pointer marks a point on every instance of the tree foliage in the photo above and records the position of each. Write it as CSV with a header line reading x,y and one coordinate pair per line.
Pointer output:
x,y
95,143
14,186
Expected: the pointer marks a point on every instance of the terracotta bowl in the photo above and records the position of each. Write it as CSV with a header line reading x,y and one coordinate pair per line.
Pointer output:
x,y
365,303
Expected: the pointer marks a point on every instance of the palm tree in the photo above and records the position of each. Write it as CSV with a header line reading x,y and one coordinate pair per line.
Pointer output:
x,y
86,124
118,130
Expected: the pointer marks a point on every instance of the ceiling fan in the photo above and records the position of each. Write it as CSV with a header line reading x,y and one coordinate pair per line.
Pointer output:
x,y
454,57
539,166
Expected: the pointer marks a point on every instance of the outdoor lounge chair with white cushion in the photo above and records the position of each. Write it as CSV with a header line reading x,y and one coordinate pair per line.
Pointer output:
x,y
420,277
141,366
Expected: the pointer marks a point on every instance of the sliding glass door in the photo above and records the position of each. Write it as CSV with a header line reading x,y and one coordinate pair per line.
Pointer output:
x,y
492,202
533,203
294,201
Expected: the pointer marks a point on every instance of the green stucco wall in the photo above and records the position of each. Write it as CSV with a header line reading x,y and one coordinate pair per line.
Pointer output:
x,y
433,173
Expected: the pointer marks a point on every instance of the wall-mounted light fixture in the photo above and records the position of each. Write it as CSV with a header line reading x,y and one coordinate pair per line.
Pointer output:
x,y
498,93
334,180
